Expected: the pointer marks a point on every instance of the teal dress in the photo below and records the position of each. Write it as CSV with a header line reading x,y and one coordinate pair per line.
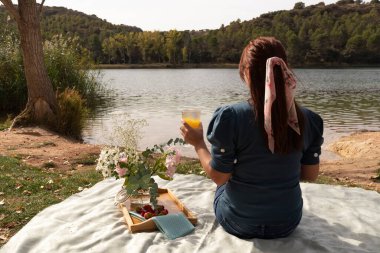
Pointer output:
x,y
262,199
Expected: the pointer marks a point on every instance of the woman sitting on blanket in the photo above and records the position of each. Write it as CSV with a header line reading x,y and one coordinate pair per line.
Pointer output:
x,y
260,148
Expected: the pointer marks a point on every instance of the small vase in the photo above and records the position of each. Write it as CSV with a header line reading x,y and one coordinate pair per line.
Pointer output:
x,y
142,198
132,201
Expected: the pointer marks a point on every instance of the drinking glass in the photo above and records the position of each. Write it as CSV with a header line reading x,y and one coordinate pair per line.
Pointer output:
x,y
192,117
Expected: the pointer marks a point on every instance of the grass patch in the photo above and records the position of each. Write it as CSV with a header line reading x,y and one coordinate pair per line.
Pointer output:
x,y
49,165
377,177
191,166
5,123
323,179
87,159
45,144
25,191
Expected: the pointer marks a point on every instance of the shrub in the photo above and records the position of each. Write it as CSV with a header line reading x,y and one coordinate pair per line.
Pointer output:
x,y
71,74
72,113
13,91
69,66
5,122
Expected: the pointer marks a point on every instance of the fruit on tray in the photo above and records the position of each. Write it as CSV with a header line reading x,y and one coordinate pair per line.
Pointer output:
x,y
148,211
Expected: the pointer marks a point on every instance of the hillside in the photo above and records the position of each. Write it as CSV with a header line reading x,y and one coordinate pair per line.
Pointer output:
x,y
343,34
90,29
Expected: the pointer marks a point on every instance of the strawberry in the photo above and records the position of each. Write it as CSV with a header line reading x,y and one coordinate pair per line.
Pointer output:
x,y
148,215
159,208
138,209
148,208
164,212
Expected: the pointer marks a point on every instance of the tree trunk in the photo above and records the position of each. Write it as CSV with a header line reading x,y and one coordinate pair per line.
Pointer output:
x,y
42,106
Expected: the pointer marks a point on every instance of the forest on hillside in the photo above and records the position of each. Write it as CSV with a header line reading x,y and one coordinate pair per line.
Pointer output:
x,y
341,34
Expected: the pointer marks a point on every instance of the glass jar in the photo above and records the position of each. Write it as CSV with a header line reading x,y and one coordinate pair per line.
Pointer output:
x,y
132,201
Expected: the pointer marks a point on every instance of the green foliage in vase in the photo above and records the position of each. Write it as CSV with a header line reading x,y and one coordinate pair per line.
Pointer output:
x,y
137,168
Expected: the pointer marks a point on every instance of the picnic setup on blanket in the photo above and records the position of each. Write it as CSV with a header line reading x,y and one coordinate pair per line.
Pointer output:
x,y
145,206
335,219
178,222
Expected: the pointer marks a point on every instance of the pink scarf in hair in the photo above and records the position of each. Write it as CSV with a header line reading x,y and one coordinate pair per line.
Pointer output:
x,y
270,96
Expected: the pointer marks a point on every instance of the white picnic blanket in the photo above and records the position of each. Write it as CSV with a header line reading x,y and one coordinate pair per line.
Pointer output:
x,y
336,219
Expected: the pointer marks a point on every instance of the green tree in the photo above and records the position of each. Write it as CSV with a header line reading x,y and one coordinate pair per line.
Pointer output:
x,y
293,47
158,46
133,51
338,36
107,50
343,2
185,55
354,45
373,43
119,43
299,5
95,47
173,45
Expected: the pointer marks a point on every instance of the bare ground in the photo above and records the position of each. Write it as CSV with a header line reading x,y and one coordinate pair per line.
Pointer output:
x,y
360,160
41,148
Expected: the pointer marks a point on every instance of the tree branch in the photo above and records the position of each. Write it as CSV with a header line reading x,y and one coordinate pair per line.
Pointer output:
x,y
41,5
11,9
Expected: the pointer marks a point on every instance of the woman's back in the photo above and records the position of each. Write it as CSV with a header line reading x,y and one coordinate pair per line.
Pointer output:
x,y
264,187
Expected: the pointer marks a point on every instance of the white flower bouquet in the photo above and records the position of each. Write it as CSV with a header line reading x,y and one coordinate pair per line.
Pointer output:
x,y
137,168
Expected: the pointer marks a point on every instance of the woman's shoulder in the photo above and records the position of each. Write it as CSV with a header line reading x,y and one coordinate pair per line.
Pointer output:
x,y
236,108
311,115
314,121
233,110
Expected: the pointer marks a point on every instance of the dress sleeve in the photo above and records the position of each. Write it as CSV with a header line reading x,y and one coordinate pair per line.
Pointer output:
x,y
313,139
221,135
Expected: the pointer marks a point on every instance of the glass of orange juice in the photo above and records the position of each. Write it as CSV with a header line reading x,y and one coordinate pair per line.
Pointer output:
x,y
192,117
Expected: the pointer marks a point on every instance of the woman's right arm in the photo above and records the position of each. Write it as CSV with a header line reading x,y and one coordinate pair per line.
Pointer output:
x,y
309,173
195,137
313,141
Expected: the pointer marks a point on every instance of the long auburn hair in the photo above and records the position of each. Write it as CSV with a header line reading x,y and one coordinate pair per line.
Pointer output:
x,y
252,69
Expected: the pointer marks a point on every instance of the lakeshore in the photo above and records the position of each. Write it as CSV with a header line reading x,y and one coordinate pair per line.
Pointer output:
x,y
358,163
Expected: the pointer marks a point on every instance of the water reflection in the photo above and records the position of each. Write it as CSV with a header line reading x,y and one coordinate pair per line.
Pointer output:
x,y
348,100
345,110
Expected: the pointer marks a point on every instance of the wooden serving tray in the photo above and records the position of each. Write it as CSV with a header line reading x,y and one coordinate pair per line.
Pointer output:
x,y
168,200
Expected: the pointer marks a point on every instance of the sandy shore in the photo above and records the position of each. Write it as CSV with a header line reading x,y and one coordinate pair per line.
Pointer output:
x,y
358,164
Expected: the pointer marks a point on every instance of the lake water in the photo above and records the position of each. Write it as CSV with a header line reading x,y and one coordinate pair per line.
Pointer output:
x,y
347,99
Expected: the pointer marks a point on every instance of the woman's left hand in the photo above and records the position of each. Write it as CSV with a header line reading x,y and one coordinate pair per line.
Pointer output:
x,y
192,136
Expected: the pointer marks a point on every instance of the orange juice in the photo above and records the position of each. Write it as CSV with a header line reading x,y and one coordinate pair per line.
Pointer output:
x,y
192,117
194,123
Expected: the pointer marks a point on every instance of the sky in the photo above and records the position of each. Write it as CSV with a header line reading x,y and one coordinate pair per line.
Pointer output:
x,y
164,15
